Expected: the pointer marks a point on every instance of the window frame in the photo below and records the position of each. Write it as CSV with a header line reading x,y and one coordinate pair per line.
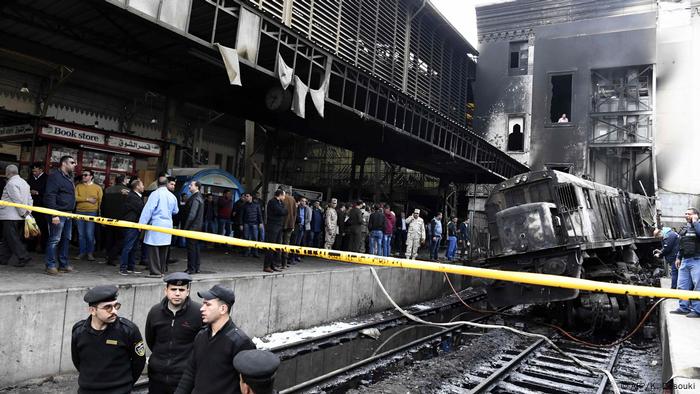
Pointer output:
x,y
523,46
524,117
548,96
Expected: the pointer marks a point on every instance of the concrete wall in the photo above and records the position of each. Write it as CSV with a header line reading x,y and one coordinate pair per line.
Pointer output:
x,y
36,326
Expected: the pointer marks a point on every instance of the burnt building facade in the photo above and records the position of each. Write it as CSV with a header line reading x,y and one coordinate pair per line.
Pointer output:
x,y
601,90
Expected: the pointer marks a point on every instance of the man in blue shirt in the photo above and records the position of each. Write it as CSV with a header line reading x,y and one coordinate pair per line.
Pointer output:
x,y
158,211
60,195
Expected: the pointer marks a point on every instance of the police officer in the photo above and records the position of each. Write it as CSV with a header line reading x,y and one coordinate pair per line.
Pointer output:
x,y
210,367
107,350
688,263
257,369
171,326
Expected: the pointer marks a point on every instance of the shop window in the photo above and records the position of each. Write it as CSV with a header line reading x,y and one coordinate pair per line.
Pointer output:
x,y
516,134
518,58
561,97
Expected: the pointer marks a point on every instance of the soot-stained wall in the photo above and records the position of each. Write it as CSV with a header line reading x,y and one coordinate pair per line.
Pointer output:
x,y
577,48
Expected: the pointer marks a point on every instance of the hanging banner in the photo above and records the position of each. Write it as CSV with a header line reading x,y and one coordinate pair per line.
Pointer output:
x,y
284,72
318,96
299,101
233,68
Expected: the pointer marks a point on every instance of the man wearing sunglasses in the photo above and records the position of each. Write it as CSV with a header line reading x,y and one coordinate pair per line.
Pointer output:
x,y
107,350
60,195
171,326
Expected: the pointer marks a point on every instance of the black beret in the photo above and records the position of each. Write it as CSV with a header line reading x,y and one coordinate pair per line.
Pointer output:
x,y
256,366
220,292
102,293
178,279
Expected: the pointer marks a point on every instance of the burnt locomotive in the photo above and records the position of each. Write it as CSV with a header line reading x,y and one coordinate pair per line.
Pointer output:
x,y
551,222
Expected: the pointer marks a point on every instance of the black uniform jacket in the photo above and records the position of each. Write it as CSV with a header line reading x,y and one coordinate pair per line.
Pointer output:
x,y
210,368
170,338
109,361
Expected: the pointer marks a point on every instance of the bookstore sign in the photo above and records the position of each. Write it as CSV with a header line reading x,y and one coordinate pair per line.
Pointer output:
x,y
100,140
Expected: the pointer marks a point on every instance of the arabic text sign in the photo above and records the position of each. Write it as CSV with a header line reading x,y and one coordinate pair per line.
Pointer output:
x,y
20,129
145,147
69,133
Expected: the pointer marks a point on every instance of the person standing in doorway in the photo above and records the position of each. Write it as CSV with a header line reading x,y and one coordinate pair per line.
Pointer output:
x,y
88,197
158,211
193,220
60,195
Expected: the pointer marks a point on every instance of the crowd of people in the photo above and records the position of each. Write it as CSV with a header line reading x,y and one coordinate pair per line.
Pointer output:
x,y
355,227
289,219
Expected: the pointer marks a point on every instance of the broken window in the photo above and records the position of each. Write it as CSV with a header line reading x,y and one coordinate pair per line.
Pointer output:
x,y
561,96
561,167
516,134
518,58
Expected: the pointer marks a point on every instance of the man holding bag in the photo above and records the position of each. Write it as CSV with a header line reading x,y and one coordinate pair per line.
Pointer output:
x,y
12,219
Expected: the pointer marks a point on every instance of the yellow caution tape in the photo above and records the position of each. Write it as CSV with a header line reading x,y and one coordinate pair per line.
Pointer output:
x,y
360,258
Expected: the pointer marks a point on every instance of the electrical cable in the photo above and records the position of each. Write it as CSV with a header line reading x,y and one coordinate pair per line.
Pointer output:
x,y
401,331
416,319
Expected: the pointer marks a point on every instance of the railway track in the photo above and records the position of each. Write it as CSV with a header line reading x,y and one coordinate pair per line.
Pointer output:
x,y
393,319
540,368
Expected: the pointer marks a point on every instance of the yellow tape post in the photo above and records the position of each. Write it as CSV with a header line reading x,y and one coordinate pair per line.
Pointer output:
x,y
360,258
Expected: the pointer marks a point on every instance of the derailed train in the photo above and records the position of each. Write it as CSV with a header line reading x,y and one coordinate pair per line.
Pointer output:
x,y
555,223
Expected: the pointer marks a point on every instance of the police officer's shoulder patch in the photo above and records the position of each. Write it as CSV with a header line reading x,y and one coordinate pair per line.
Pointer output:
x,y
140,349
